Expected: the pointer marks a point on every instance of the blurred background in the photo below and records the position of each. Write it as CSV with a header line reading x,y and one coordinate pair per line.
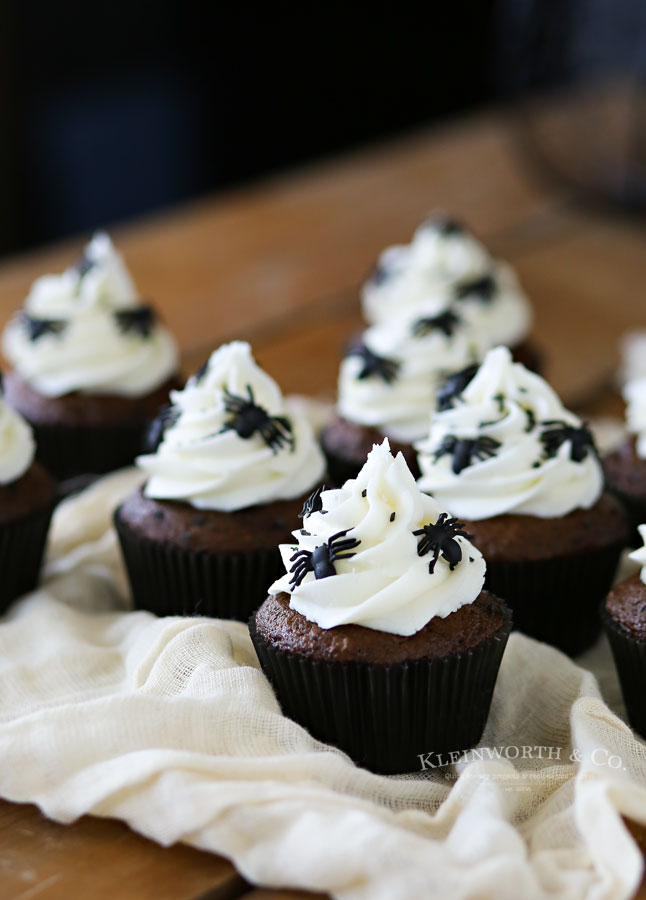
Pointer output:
x,y
118,109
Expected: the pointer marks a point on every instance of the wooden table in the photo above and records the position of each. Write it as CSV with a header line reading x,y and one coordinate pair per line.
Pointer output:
x,y
278,264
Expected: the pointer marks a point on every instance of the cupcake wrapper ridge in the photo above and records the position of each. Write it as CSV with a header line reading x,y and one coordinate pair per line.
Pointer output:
x,y
67,451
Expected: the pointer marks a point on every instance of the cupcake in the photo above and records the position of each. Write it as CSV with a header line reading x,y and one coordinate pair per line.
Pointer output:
x,y
624,618
379,638
231,470
387,387
92,364
625,467
27,497
444,266
524,474
436,305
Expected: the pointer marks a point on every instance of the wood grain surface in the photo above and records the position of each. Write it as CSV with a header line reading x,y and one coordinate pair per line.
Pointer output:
x,y
279,263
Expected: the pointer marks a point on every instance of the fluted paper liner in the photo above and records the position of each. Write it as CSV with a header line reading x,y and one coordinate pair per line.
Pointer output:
x,y
630,659
170,580
556,600
387,717
22,545
67,451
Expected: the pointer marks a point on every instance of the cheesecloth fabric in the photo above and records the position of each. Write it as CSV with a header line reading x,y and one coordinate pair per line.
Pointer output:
x,y
170,725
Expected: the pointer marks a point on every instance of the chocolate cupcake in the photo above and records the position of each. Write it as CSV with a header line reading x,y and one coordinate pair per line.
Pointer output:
x,y
91,364
524,474
446,267
436,305
27,497
625,467
231,469
624,618
379,639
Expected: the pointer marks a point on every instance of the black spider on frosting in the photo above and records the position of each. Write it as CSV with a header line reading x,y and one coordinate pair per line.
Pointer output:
x,y
139,319
314,503
558,433
166,418
321,560
465,450
482,289
440,538
451,389
373,365
444,225
36,327
445,322
248,419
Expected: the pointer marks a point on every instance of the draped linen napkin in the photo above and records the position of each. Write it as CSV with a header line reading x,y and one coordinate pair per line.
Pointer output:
x,y
170,725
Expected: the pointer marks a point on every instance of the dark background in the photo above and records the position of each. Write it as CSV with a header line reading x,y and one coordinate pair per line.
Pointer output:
x,y
112,109
115,109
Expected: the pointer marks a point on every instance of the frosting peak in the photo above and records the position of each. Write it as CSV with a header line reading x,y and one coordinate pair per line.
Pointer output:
x,y
445,265
635,397
229,440
396,557
86,330
639,555
17,445
504,443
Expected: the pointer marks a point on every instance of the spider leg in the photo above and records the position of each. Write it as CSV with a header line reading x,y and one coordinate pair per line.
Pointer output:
x,y
299,553
424,545
436,555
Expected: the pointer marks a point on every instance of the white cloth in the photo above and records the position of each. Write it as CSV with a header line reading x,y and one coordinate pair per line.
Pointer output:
x,y
170,725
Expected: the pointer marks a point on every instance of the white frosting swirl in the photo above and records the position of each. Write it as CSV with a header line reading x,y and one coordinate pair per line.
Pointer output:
x,y
434,270
386,584
204,462
507,404
90,351
639,555
17,445
635,397
401,408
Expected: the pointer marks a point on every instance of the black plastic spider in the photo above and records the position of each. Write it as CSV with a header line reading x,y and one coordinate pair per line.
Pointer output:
x,y
446,322
313,504
321,560
441,539
444,224
453,387
140,319
464,450
482,289
166,418
373,365
558,432
36,328
249,419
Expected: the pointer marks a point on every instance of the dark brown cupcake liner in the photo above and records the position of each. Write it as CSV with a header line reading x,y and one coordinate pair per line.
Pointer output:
x,y
556,600
389,719
630,660
22,545
636,513
68,451
176,581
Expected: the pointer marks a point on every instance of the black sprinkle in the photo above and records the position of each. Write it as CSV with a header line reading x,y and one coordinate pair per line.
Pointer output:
x,y
444,224
392,516
531,418
522,390
305,533
364,493
500,400
380,274
536,465
471,559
